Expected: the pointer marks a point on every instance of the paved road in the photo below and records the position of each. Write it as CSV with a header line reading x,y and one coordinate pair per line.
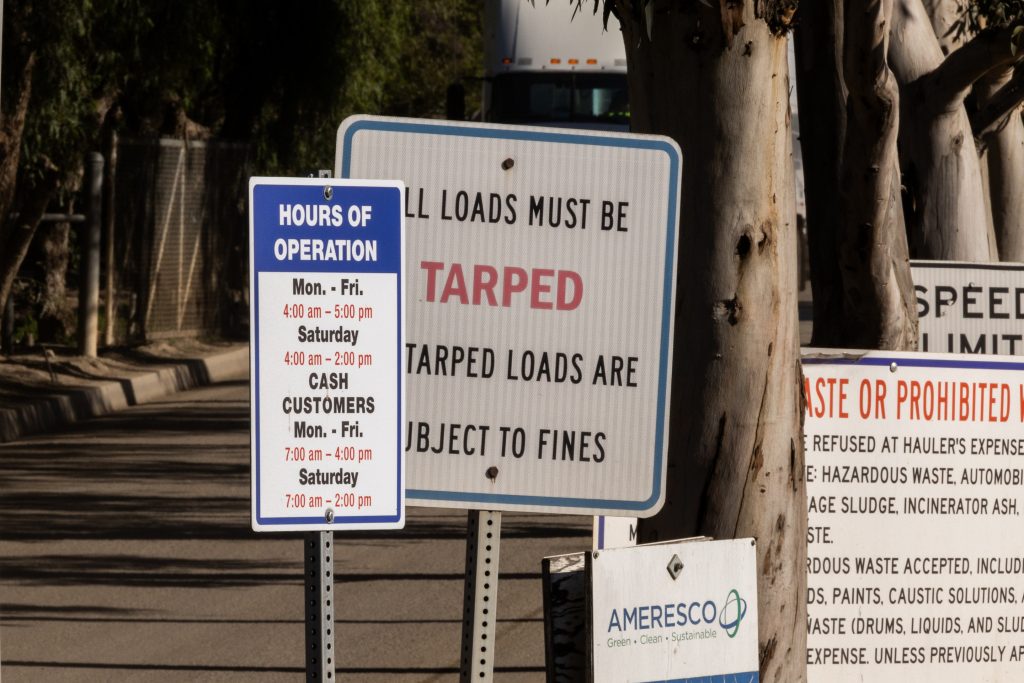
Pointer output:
x,y
126,554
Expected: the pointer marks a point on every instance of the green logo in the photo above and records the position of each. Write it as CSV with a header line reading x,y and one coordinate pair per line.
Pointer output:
x,y
732,613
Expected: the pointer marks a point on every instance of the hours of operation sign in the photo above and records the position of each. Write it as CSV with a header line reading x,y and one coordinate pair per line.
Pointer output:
x,y
327,287
915,473
541,289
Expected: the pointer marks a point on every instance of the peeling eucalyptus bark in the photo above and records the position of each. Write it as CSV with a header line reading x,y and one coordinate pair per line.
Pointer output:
x,y
944,15
948,215
1004,154
879,304
948,219
720,87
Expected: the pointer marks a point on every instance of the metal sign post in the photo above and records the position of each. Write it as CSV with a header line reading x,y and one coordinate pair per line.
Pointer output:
x,y
480,598
319,564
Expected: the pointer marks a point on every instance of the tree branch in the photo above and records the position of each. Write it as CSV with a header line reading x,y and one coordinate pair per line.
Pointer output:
x,y
990,49
1001,104
17,240
11,130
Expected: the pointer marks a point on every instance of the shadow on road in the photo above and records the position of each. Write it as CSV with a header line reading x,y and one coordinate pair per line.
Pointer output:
x,y
254,669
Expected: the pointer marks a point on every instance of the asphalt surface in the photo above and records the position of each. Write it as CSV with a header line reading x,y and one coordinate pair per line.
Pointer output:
x,y
126,554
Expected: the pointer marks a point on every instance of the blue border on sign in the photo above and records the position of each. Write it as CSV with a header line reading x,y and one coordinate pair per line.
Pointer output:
x,y
924,362
746,677
339,521
576,138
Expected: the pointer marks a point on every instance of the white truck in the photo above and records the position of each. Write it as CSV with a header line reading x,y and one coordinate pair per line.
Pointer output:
x,y
553,64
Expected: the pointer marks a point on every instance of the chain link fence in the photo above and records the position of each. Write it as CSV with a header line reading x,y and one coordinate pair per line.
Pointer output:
x,y
181,239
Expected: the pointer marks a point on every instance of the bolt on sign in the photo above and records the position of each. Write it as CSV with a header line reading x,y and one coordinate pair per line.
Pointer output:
x,y
970,307
540,300
327,283
914,474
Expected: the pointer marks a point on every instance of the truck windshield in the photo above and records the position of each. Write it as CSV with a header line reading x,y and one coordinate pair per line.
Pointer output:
x,y
574,97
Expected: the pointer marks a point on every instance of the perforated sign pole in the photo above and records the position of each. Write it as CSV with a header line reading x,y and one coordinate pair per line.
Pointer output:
x,y
318,563
480,599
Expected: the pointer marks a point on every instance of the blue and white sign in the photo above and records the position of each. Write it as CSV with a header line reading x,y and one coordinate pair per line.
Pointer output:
x,y
326,264
683,611
541,290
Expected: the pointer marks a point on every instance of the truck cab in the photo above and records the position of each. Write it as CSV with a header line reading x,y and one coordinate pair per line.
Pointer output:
x,y
553,65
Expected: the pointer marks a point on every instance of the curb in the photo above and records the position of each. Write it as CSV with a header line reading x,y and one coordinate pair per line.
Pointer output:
x,y
70,404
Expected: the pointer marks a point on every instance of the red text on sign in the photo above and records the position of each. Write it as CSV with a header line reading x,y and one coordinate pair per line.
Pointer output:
x,y
483,285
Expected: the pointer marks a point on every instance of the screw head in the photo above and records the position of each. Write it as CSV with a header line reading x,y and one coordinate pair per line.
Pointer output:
x,y
893,366
329,515
675,567
491,473
328,192
507,164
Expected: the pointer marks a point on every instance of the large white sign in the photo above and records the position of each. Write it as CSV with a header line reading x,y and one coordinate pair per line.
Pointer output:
x,y
970,307
327,284
915,470
684,611
541,288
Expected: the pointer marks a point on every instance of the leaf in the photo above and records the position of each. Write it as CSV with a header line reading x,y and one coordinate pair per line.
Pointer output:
x,y
1016,40
649,17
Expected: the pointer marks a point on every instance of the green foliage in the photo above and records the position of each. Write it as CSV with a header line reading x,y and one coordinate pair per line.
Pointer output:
x,y
977,15
26,332
62,114
26,328
355,56
278,74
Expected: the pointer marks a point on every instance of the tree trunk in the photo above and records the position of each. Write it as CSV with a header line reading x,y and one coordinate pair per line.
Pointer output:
x,y
1004,152
19,236
822,97
55,314
717,81
20,63
879,310
56,317
12,127
947,217
944,15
